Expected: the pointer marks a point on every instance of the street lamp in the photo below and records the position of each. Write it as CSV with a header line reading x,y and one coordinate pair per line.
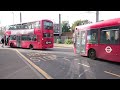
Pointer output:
x,y
20,17
97,15
13,17
60,28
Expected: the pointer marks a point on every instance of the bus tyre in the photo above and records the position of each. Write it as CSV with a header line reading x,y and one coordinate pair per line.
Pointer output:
x,y
11,45
31,47
92,54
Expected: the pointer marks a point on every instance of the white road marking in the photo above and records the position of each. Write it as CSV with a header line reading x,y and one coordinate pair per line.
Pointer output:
x,y
84,65
112,73
83,73
42,58
66,59
76,59
35,59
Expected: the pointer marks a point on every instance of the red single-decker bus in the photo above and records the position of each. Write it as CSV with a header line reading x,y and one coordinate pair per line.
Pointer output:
x,y
99,40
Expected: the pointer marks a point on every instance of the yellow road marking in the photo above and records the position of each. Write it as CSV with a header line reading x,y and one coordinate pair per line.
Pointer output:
x,y
112,73
36,67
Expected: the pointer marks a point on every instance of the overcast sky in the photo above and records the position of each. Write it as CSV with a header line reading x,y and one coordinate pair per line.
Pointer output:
x,y
6,17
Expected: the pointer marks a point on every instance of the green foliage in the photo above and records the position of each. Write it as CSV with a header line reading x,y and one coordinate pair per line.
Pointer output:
x,y
80,22
68,41
65,26
59,41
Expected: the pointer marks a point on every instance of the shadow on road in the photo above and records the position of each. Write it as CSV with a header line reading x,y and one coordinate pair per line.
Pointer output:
x,y
98,59
110,62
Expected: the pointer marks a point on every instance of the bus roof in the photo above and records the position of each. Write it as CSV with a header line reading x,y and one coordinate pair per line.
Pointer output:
x,y
31,22
106,23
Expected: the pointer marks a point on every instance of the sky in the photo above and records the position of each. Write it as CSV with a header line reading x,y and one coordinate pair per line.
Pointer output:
x,y
6,17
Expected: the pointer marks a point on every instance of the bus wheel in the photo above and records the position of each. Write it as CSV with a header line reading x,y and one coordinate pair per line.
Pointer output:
x,y
31,47
92,54
11,45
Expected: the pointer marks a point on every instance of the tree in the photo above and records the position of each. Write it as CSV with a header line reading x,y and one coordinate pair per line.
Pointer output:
x,y
65,26
80,22
1,31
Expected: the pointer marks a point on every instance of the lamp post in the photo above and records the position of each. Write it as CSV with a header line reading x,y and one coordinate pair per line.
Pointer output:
x,y
60,29
13,17
20,17
97,16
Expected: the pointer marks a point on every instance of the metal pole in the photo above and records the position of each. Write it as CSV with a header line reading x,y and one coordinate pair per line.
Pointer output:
x,y
13,17
60,26
97,16
20,17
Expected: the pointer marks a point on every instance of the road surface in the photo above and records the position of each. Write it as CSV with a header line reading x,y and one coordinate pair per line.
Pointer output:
x,y
61,63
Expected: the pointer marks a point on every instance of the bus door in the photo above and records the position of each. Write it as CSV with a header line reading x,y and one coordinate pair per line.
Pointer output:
x,y
77,42
18,41
82,42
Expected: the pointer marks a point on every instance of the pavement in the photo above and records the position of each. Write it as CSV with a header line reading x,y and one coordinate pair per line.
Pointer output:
x,y
13,66
55,45
63,45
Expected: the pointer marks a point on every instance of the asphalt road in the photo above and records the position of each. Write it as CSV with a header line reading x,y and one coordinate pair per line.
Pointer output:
x,y
13,66
61,63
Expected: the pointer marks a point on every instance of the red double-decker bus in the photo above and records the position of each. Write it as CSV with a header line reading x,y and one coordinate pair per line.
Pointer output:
x,y
99,40
33,35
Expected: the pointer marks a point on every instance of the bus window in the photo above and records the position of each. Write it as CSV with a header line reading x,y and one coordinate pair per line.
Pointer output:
x,y
24,26
82,37
48,25
30,25
92,36
24,37
47,35
109,35
18,26
33,25
117,39
12,37
114,36
12,27
34,38
37,24
29,38
7,27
